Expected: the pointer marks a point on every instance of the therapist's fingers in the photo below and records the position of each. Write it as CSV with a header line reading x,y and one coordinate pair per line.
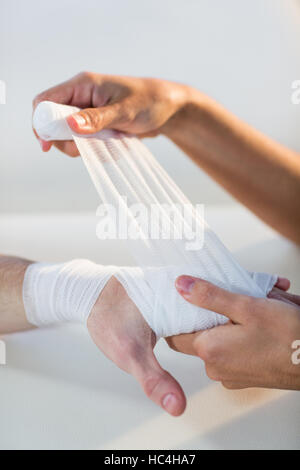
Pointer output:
x,y
235,385
61,93
67,146
45,146
183,343
76,91
159,385
92,120
202,293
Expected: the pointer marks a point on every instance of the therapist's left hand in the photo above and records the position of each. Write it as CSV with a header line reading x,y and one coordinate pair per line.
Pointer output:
x,y
258,347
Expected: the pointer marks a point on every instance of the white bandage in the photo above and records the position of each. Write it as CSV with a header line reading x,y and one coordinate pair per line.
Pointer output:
x,y
122,167
66,292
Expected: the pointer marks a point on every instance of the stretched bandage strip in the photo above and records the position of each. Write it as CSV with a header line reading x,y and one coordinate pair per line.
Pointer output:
x,y
126,175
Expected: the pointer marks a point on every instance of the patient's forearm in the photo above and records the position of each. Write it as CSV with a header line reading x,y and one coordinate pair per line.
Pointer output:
x,y
262,174
12,313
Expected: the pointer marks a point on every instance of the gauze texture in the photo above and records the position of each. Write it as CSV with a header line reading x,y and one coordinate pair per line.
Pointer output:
x,y
65,292
127,176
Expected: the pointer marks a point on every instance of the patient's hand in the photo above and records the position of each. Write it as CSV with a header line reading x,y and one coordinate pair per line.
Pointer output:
x,y
255,348
121,333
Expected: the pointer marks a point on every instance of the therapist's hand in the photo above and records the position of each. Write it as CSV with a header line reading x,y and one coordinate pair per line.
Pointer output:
x,y
256,348
141,106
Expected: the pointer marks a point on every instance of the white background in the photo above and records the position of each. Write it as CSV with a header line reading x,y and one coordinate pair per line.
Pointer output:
x,y
57,391
244,53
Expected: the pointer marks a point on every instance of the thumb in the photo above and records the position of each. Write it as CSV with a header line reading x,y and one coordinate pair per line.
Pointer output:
x,y
159,385
206,295
92,120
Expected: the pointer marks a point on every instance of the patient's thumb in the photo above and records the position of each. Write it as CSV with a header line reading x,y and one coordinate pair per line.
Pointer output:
x,y
92,120
160,386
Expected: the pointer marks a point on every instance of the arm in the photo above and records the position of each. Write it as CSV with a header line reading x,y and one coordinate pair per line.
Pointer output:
x,y
12,313
115,325
259,172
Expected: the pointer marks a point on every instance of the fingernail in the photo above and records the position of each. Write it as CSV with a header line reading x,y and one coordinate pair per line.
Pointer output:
x,y
185,284
170,403
76,120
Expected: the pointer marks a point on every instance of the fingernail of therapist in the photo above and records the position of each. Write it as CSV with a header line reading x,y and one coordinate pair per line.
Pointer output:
x,y
185,284
76,121
44,145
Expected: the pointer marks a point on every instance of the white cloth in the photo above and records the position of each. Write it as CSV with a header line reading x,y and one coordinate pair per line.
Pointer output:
x,y
65,292
127,176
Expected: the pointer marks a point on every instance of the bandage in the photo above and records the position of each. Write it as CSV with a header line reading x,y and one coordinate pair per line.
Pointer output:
x,y
66,292
127,176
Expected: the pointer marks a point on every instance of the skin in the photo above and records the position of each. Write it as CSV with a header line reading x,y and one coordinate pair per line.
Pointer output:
x,y
254,348
121,333
118,330
246,163
116,327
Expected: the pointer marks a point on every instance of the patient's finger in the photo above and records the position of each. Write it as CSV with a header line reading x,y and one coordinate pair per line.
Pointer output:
x,y
278,294
283,283
159,385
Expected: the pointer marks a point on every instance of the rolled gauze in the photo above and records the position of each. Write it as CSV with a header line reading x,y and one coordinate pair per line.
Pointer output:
x,y
49,121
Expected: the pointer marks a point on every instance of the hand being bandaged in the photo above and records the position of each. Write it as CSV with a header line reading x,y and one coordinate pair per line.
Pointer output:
x,y
81,291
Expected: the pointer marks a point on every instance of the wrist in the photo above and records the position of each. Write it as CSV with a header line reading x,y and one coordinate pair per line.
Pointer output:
x,y
189,104
65,292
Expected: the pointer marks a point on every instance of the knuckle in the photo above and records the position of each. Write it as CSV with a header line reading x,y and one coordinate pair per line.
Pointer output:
x,y
92,118
208,350
150,384
85,75
246,304
128,114
256,309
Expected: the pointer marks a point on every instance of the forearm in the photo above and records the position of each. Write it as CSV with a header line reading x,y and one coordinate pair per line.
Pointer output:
x,y
260,173
12,313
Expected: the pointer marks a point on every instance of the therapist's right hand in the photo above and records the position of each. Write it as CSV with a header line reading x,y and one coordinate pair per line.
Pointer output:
x,y
141,106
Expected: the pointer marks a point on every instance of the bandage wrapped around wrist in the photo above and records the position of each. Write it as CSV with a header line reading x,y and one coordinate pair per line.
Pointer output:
x,y
65,292
127,176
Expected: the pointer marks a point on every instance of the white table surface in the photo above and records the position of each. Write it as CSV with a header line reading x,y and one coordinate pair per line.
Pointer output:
x,y
58,392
